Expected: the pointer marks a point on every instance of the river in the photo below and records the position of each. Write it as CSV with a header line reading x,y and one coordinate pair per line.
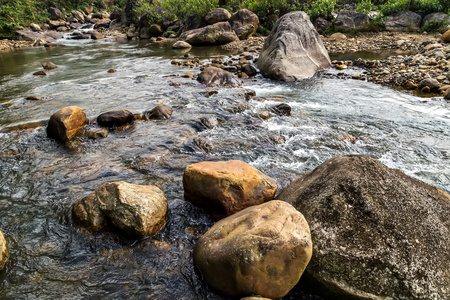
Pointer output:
x,y
50,258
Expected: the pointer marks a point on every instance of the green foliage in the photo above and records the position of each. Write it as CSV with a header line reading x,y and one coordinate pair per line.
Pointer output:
x,y
321,8
434,26
365,6
15,13
422,7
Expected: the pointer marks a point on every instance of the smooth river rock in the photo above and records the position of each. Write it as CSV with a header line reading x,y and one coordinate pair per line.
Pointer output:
x,y
212,76
4,255
261,250
377,233
65,123
115,118
139,210
159,112
351,20
226,187
293,50
217,15
216,34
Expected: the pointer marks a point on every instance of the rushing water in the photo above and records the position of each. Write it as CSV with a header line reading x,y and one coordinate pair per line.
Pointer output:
x,y
39,179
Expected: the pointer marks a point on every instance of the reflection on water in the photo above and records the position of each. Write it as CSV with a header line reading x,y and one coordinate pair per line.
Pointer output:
x,y
40,179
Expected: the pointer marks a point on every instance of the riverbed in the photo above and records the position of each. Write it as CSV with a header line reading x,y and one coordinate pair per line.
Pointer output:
x,y
40,179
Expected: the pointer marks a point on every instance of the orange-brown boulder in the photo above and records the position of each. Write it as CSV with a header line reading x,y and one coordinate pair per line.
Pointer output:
x,y
65,123
226,187
446,36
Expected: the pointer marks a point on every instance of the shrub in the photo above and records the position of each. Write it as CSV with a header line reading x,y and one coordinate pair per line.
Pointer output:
x,y
365,6
321,8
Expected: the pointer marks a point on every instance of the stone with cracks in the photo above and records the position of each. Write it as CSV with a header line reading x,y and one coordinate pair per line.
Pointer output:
x,y
65,123
293,50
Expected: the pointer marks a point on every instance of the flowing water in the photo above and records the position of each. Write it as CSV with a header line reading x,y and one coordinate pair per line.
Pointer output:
x,y
39,179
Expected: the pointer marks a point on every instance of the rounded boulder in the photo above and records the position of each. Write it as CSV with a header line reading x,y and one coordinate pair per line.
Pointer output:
x,y
65,123
115,118
226,187
262,250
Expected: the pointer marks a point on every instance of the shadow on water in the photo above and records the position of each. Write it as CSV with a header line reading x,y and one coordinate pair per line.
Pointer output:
x,y
40,179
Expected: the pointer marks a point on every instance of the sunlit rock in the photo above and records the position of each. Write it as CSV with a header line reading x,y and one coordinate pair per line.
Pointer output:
x,y
244,23
134,209
377,233
261,250
293,50
226,187
4,255
65,123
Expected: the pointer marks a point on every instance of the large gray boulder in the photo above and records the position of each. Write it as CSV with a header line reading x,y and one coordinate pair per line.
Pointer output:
x,y
403,21
437,17
293,50
216,34
138,210
377,233
55,14
244,23
351,20
261,250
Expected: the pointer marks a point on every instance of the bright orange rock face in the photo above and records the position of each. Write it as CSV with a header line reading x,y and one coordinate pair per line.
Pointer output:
x,y
64,124
226,187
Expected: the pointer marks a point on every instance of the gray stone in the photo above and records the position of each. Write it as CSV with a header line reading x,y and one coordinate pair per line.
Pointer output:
x,y
377,233
293,50
437,17
181,45
321,25
55,14
159,112
217,34
403,21
212,76
351,20
244,23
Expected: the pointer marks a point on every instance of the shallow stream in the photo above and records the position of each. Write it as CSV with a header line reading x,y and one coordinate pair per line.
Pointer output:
x,y
39,179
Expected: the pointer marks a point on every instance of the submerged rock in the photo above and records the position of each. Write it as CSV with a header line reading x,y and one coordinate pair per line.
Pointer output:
x,y
95,35
293,50
212,76
115,118
378,233
226,187
49,65
4,255
261,250
65,123
159,112
139,210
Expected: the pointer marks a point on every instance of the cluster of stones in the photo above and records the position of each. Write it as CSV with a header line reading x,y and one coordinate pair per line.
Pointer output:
x,y
9,44
427,71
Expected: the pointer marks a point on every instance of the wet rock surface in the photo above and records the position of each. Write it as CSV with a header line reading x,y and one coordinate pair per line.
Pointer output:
x,y
226,187
377,232
65,123
261,250
4,254
212,76
138,210
115,118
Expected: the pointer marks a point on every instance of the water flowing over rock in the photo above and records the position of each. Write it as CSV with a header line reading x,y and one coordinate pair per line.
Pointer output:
x,y
351,20
49,65
217,15
216,34
115,118
159,112
261,250
244,23
95,35
226,187
139,210
4,255
403,21
212,76
293,50
377,233
65,123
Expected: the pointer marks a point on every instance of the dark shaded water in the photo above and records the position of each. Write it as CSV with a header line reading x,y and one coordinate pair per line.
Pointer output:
x,y
40,179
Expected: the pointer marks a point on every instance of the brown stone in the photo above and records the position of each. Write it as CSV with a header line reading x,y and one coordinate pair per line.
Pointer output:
x,y
49,65
111,71
212,76
95,35
425,89
40,73
159,112
115,118
447,94
33,98
226,187
411,86
446,36
64,124
261,250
